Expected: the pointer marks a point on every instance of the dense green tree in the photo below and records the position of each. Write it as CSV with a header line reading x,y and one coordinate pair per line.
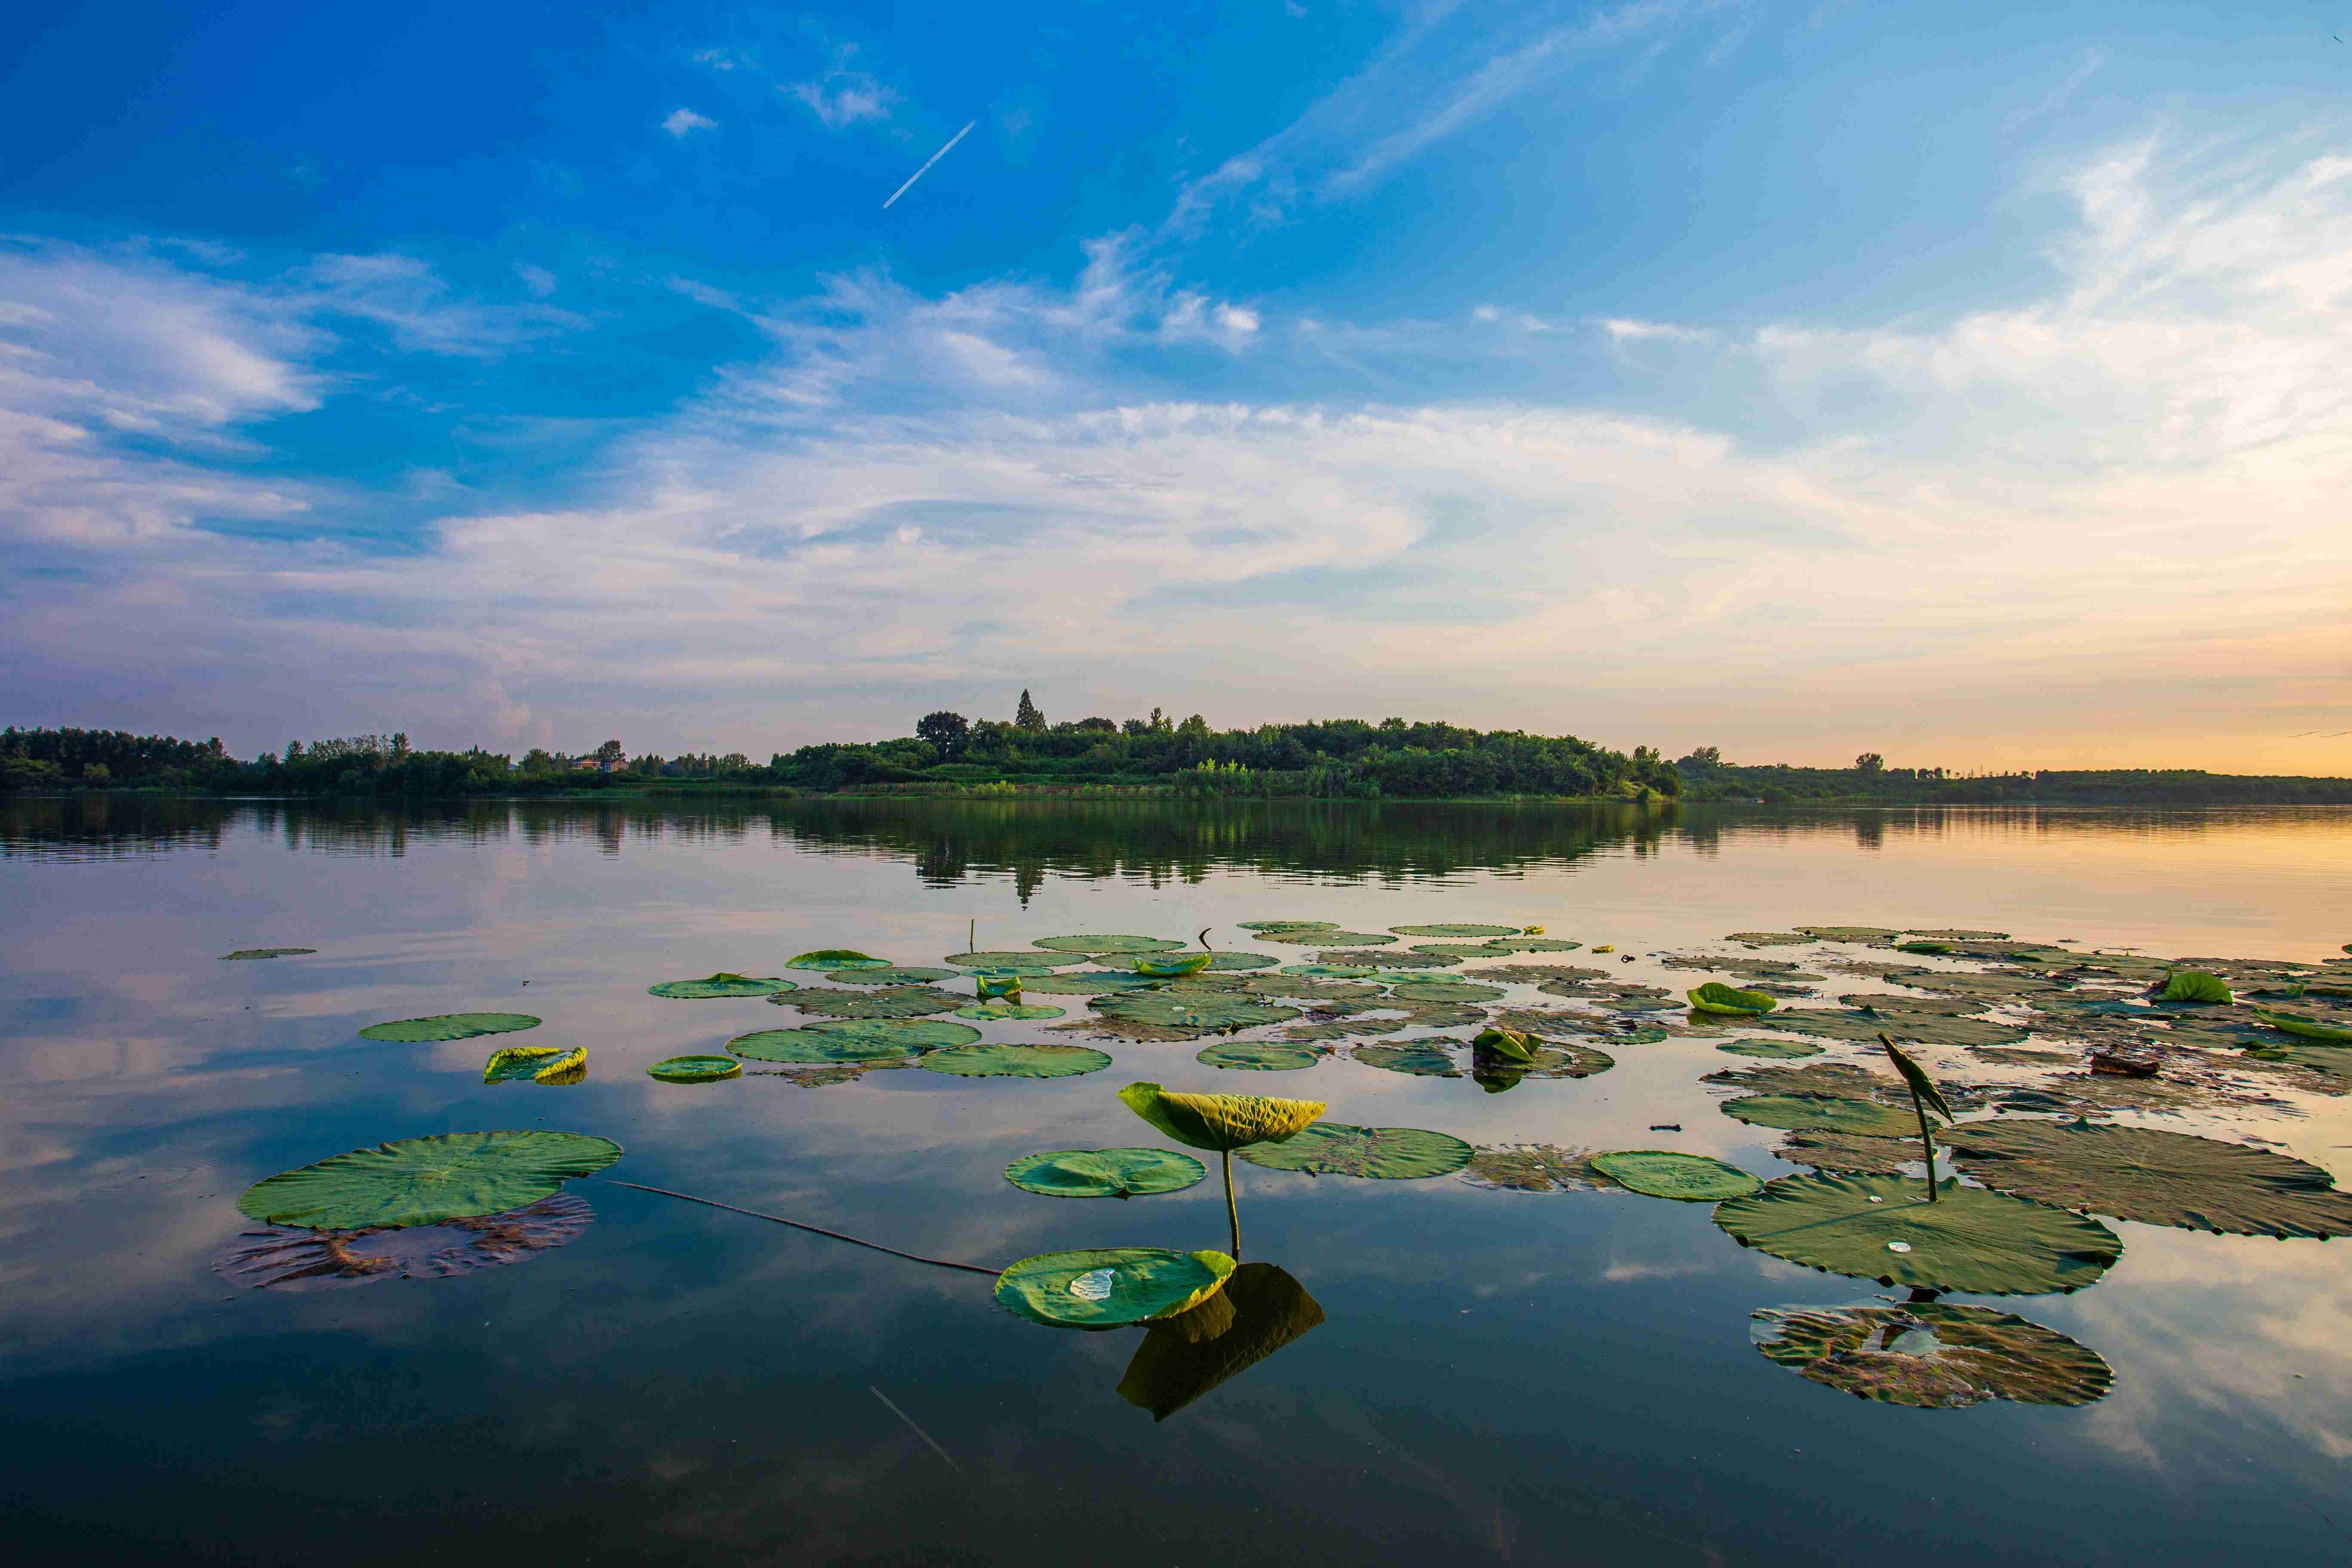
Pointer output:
x,y
950,732
1026,718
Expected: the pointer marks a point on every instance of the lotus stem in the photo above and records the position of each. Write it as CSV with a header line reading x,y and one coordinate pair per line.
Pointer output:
x,y
1926,1142
1204,938
1233,1213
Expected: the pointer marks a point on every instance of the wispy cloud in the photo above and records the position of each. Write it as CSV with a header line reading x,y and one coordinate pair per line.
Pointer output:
x,y
684,122
843,98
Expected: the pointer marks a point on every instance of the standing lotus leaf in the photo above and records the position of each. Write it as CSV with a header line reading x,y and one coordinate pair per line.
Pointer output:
x,y
1687,1178
449,1026
997,987
1106,944
1715,996
2192,986
1105,1172
2156,1178
1175,967
1220,1122
1507,1043
1109,1286
1015,1061
726,983
426,1181
1392,1154
1884,1228
836,958
1931,1355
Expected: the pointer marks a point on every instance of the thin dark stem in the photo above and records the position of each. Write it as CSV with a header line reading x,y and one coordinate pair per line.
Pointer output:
x,y
796,1225
1926,1142
1233,1213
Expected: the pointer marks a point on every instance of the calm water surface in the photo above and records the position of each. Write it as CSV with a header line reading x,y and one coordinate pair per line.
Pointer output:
x,y
1504,1377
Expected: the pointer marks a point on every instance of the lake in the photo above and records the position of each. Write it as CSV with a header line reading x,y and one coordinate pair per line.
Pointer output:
x,y
1555,1377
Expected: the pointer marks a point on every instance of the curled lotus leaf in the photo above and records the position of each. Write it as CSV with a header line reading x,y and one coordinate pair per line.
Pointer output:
x,y
1828,1151
1173,1367
1931,1355
1685,1178
1444,990
1109,1286
1258,1056
991,987
1105,1172
1171,966
1008,1013
1028,959
1015,1061
1848,933
830,958
695,1069
1455,929
2306,1026
426,1181
1324,936
2156,1178
1288,925
1803,1111
449,1026
892,975
2193,985
1771,937
895,1002
1884,1228
293,1258
1776,1049
1100,945
1922,1028
1533,1168
726,983
1421,1058
545,1064
1088,982
1220,1121
1509,1044
1386,1153
253,953
1715,996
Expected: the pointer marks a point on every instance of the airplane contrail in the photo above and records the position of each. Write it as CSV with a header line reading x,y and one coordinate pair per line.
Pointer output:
x,y
927,166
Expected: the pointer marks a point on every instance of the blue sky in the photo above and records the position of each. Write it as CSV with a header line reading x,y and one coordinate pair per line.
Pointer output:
x,y
1968,384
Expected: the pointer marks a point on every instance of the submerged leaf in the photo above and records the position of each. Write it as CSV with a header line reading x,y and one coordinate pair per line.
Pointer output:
x,y
1884,1228
1172,1368
290,1257
2156,1178
449,1026
1336,1149
1105,1172
1931,1355
1015,1061
425,1181
1108,1287
1687,1178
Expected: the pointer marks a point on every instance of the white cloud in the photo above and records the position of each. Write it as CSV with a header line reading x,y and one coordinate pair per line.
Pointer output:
x,y
683,122
1624,330
538,280
843,98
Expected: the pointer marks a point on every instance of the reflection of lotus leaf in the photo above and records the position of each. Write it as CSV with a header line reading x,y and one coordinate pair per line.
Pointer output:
x,y
546,1064
1007,1011
1984,1243
1106,944
1687,1178
1931,1355
1336,1149
1771,937
1780,1049
290,1258
1105,1172
897,1002
1827,1151
1015,1061
891,975
1087,983
1532,1168
724,983
1920,1028
836,958
248,952
1108,1287
695,1069
1025,959
1258,1057
425,1181
449,1026
1789,1111
1421,1058
1456,930
1715,996
1186,1015
1288,925
1219,1121
2156,1178
1848,933
1445,990
1172,1368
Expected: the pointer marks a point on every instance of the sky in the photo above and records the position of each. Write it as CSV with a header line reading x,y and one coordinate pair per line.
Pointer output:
x,y
1972,385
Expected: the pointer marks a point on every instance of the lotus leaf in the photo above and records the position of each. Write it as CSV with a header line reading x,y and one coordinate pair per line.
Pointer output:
x,y
1789,1111
1834,1080
1687,1178
1407,990
1258,1056
1221,1122
545,1064
2013,1055
1008,1012
2156,1178
1105,1172
1109,1286
724,983
1925,1028
1771,937
896,1002
2308,1028
840,1040
1509,1044
1015,1061
2330,1061
1647,1035
836,958
1715,996
1956,935
1392,1154
1848,933
249,952
1549,1062
290,1257
1897,1006
1511,944
1230,963
1389,961
1088,982
1295,986
1456,930
998,988
1028,960
1328,971
1987,1244
1186,1016
2192,986
1830,1151
425,1181
1533,1168
1288,925
1421,1058
1322,936
1172,1368
1931,1355
894,974
1175,967
1540,973
1775,1049
1099,945
695,1069
449,1026
1922,947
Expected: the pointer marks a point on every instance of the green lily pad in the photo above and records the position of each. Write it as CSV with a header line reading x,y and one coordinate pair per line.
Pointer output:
x,y
1951,934
1456,930
1105,1172
426,1181
1027,961
695,1069
1446,990
1087,983
1099,945
2306,1026
1884,1228
1232,962
892,975
1778,1050
449,1027
1008,1012
2193,985
825,1047
1827,1151
1772,938
1288,925
2156,1178
252,953
1799,1110
1687,1178
1015,1061
898,1034
1323,936
1715,996
1328,971
836,958
1931,1355
1848,933
544,1064
1336,1149
1386,962
1184,1015
2330,1061
1109,1286
897,1002
1419,1058
1258,1056
722,984
1533,1168
1507,945
1923,1028
1174,1365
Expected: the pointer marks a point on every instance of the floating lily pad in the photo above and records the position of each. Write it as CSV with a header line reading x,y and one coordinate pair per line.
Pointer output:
x,y
1258,1056
1931,1355
1288,925
892,975
1418,1059
1828,1151
1328,971
1108,1287
2330,1061
836,958
1951,934
1884,1228
898,1034
1098,945
1924,1028
1715,996
1456,930
546,1064
1848,933
1023,959
1015,1061
724,983
695,1069
1008,1012
814,1047
2156,1178
1772,938
1160,1015
1105,1172
1232,962
449,1026
2306,1026
1173,1367
425,1181
1336,1149
291,1257
1323,937
1446,991
252,953
1393,960
1514,944
1778,1050
1550,1062
1687,1178
898,1002
1799,1110
1533,1168
1087,983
